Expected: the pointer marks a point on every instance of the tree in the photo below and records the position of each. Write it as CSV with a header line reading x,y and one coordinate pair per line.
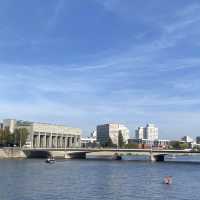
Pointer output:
x,y
183,145
179,145
131,146
20,136
6,137
109,143
120,140
1,137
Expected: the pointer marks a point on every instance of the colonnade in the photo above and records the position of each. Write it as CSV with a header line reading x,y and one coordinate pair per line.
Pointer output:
x,y
46,140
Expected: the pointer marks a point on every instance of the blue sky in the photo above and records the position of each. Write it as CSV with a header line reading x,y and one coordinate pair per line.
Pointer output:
x,y
87,62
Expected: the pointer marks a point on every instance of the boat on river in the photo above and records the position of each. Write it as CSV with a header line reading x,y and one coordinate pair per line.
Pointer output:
x,y
50,160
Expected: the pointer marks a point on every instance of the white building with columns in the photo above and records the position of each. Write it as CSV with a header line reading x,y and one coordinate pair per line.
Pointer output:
x,y
43,135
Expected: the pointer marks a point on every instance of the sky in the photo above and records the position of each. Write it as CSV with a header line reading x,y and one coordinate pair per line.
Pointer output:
x,y
86,62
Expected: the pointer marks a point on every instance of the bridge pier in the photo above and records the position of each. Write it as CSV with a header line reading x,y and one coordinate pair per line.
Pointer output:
x,y
116,156
37,154
75,155
157,158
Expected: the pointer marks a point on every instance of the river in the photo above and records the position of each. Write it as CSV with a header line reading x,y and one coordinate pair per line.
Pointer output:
x,y
97,180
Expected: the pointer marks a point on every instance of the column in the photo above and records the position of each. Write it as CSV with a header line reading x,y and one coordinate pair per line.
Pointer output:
x,y
78,141
41,140
38,142
74,145
34,141
50,141
56,141
70,142
45,140
65,142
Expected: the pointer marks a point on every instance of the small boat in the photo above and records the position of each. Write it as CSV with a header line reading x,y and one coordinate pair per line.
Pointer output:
x,y
50,160
168,180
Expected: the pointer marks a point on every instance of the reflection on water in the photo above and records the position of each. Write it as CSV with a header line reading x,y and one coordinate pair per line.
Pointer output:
x,y
93,179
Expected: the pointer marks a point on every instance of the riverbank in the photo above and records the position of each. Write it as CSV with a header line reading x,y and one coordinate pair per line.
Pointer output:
x,y
12,153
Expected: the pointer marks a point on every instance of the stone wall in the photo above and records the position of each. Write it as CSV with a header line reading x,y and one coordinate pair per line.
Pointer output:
x,y
9,153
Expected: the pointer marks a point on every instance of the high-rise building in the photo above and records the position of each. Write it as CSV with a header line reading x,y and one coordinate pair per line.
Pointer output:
x,y
198,139
1,125
139,133
187,139
106,131
150,132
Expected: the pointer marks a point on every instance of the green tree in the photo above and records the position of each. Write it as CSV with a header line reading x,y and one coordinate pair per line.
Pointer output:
x,y
20,136
131,146
179,145
1,137
183,145
120,140
109,143
6,138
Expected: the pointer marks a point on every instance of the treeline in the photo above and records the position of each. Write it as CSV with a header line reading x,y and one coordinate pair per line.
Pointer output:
x,y
18,138
179,145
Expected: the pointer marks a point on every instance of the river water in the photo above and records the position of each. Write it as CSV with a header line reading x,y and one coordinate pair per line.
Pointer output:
x,y
97,180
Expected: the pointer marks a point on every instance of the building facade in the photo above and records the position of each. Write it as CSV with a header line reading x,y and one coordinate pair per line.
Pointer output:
x,y
145,143
150,132
198,139
42,135
112,131
1,125
187,139
9,123
139,133
89,142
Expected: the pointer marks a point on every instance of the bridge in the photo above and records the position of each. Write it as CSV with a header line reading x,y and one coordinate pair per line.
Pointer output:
x,y
71,153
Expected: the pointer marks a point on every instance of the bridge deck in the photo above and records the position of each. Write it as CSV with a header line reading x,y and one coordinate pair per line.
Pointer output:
x,y
90,150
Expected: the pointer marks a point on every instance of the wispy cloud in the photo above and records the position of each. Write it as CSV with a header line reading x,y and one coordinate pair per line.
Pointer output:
x,y
155,77
56,13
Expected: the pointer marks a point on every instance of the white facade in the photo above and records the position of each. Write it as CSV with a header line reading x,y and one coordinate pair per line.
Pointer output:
x,y
139,133
43,135
93,134
151,143
125,132
106,131
53,136
187,139
88,141
150,132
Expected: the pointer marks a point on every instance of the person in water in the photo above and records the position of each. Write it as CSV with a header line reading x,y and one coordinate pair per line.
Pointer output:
x,y
168,180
